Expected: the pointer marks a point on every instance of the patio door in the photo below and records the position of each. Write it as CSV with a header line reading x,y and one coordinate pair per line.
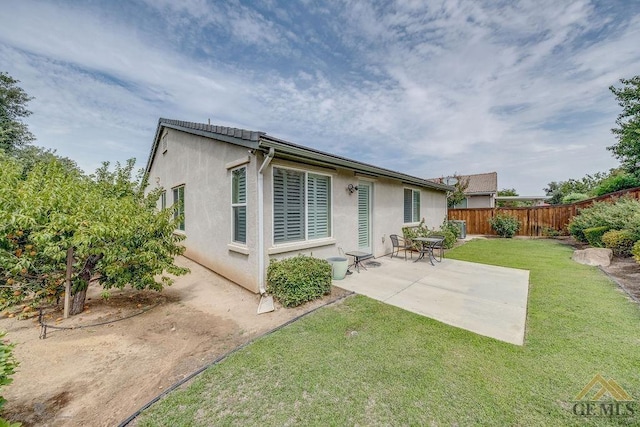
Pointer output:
x,y
364,216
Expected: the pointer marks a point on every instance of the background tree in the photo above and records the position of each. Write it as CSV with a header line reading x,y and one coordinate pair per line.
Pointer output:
x,y
627,150
558,190
115,233
508,203
13,101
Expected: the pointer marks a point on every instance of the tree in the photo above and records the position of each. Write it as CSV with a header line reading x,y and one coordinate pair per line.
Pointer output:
x,y
585,185
627,150
13,101
457,196
112,232
507,192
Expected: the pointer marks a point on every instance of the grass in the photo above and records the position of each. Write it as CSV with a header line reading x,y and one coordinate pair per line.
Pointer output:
x,y
366,363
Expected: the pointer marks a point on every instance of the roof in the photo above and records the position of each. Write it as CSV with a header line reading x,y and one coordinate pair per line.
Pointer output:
x,y
481,183
284,150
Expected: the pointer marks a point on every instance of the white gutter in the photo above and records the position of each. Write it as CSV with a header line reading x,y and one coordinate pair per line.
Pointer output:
x,y
261,250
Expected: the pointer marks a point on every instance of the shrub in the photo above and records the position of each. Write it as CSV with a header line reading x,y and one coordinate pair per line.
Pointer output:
x,y
449,231
574,197
619,241
8,365
296,280
636,251
617,216
451,226
594,235
505,225
615,183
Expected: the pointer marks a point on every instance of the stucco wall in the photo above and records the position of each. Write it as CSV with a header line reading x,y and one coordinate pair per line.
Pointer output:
x,y
387,214
200,164
483,201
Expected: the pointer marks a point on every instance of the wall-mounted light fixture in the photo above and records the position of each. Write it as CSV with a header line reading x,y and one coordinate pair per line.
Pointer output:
x,y
352,188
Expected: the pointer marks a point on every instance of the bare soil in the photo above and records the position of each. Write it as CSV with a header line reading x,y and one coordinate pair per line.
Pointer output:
x,y
99,375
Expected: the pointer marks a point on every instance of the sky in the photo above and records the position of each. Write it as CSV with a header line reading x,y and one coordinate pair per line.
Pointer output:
x,y
428,88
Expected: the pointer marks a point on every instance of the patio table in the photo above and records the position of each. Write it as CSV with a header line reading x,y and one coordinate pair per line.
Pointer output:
x,y
358,257
428,245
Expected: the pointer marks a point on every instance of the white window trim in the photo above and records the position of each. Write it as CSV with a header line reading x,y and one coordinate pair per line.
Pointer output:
x,y
301,244
233,205
184,207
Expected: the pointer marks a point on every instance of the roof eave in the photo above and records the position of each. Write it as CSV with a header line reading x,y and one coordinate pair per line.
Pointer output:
x,y
319,157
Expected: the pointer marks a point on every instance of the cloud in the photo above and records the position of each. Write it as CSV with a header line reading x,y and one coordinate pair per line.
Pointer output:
x,y
426,88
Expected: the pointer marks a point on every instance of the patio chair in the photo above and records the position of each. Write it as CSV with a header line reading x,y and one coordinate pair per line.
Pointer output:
x,y
401,244
439,247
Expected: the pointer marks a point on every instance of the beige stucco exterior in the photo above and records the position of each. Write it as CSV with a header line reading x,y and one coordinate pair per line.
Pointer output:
x,y
203,165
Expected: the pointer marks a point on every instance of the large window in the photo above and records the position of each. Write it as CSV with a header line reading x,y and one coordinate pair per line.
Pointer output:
x,y
239,204
178,205
301,206
411,205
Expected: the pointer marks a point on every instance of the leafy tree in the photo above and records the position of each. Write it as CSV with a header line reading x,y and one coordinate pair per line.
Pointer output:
x,y
559,190
13,101
457,196
510,203
627,150
30,155
618,180
110,230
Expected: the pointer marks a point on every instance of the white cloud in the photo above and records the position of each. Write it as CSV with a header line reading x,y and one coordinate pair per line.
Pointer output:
x,y
463,86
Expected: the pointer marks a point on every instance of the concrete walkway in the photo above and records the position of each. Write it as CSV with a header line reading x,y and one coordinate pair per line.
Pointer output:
x,y
484,299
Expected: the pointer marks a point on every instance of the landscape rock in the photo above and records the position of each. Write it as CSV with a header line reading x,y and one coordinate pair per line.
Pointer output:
x,y
593,256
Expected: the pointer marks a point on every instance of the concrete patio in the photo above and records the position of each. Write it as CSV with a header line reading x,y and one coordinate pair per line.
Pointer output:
x,y
485,299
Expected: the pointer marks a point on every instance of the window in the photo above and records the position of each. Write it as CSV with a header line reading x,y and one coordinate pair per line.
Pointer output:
x,y
163,200
462,205
165,142
178,205
301,206
239,204
411,205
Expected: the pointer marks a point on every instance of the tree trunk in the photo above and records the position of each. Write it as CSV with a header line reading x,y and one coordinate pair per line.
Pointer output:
x,y
77,305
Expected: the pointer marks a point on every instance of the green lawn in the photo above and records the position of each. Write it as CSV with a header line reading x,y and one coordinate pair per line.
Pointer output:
x,y
366,363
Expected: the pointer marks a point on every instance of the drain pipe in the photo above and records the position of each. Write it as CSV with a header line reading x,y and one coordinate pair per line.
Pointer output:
x,y
261,265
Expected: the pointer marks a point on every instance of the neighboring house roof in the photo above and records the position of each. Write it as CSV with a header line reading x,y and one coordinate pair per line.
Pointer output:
x,y
482,183
479,184
285,150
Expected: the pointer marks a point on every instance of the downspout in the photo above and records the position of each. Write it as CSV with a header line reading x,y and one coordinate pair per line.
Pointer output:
x,y
261,265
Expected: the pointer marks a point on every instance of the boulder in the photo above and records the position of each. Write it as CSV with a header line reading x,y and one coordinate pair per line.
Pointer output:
x,y
593,256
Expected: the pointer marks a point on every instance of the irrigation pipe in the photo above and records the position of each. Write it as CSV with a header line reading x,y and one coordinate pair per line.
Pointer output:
x,y
220,359
45,326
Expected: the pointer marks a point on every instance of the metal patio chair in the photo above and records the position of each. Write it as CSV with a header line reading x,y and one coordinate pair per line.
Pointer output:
x,y
401,244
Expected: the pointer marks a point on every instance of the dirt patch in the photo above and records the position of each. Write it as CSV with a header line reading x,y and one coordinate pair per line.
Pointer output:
x,y
626,271
100,374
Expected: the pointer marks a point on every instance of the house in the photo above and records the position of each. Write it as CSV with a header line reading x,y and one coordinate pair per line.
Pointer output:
x,y
481,192
248,197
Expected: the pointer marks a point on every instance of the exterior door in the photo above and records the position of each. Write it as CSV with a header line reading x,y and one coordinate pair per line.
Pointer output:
x,y
364,216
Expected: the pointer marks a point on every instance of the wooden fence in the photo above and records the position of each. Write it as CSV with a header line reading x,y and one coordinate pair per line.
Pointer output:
x,y
536,220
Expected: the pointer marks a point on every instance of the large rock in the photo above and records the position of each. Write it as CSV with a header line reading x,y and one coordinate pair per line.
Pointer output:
x,y
593,256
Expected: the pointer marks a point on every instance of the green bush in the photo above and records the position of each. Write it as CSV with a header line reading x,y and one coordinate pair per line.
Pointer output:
x,y
615,183
451,226
621,215
574,197
449,231
594,235
296,280
505,225
636,251
619,241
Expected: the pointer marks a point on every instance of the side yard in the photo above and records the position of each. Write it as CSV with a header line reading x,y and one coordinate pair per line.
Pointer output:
x,y
362,362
